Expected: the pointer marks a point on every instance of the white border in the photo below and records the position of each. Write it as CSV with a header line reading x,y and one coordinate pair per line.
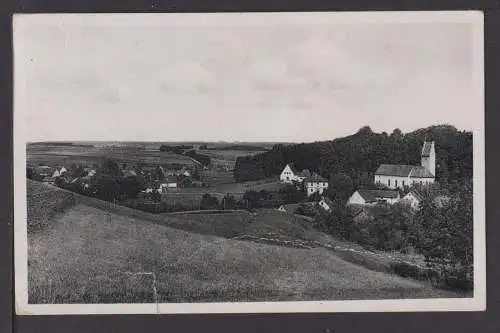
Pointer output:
x,y
477,303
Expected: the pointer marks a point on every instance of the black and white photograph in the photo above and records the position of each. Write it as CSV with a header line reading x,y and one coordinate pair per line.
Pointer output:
x,y
249,162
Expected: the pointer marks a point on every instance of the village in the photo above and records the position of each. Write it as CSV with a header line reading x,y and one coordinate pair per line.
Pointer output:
x,y
392,184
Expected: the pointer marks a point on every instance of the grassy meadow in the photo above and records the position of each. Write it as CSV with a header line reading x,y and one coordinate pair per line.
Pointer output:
x,y
90,252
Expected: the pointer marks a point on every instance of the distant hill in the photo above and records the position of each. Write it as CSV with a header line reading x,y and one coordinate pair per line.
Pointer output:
x,y
360,154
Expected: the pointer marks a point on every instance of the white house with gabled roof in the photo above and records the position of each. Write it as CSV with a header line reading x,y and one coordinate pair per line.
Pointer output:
x,y
290,174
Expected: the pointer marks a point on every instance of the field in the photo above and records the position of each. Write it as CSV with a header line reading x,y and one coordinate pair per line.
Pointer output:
x,y
55,154
92,252
190,197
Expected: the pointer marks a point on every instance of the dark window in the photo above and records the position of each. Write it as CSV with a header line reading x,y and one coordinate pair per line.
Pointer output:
x,y
396,183
388,182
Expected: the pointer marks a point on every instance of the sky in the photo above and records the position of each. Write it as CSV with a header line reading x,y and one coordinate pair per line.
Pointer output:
x,y
239,78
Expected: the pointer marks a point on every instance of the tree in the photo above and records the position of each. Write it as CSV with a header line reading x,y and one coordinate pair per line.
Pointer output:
x,y
156,196
131,186
228,202
59,182
209,202
110,168
158,173
77,171
290,194
30,172
184,181
107,188
340,187
315,197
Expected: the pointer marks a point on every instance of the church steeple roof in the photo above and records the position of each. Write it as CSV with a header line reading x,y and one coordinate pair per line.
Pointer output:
x,y
426,149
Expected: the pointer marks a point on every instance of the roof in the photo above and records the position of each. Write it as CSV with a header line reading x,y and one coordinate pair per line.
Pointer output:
x,y
415,193
315,178
420,172
170,180
426,149
394,170
374,195
399,170
304,173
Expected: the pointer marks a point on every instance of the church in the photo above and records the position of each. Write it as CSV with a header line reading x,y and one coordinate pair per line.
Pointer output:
x,y
398,176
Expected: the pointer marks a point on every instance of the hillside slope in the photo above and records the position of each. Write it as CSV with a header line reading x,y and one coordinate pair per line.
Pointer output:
x,y
90,255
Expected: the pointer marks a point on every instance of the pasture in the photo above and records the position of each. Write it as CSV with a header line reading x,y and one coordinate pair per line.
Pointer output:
x,y
90,255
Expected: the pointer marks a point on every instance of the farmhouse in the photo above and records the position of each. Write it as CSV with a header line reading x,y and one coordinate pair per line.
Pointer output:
x,y
315,184
290,174
371,197
398,176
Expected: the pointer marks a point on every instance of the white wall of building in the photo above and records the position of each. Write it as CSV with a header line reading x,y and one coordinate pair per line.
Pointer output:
x,y
318,187
411,200
400,182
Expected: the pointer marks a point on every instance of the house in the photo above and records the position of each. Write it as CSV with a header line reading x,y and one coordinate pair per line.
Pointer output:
x,y
371,197
315,184
170,182
398,176
186,172
291,174
326,204
44,171
413,198
56,174
62,171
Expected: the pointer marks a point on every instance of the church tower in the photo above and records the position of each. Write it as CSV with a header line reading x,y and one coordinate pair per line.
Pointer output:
x,y
429,157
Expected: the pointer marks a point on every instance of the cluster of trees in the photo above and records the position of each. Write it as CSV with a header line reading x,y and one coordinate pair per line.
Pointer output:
x,y
442,231
234,147
359,155
203,159
178,149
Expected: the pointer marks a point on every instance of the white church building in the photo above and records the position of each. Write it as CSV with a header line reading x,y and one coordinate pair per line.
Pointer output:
x,y
398,176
